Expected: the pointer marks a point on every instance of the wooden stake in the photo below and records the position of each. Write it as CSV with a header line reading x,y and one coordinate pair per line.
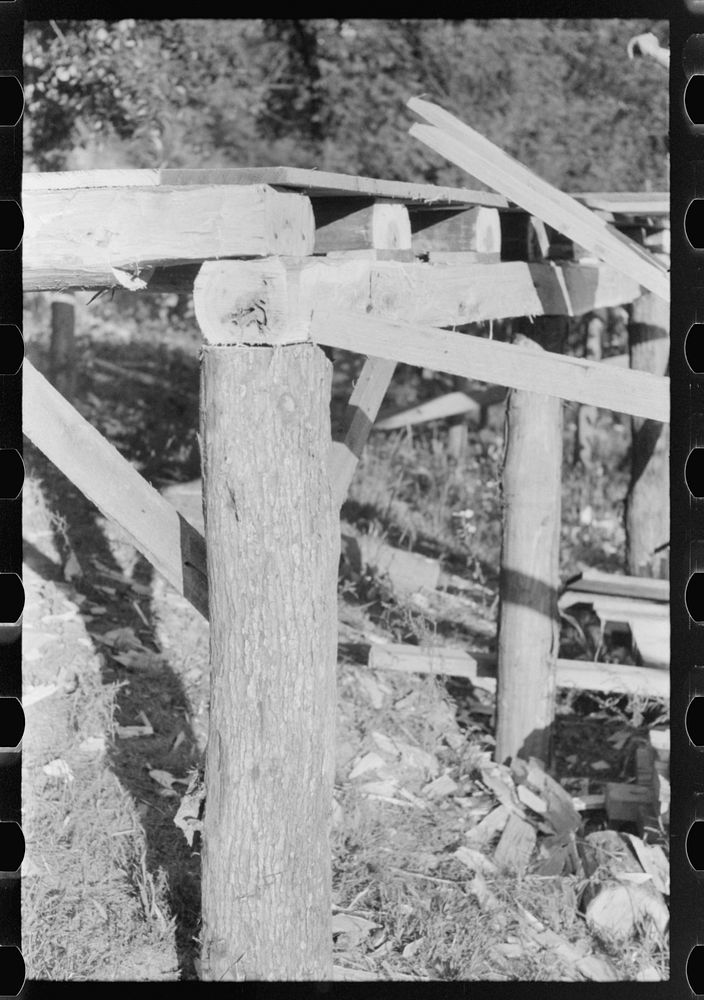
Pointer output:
x,y
62,347
648,500
528,631
272,539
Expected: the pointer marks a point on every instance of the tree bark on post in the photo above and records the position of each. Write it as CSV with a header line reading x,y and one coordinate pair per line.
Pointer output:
x,y
62,345
272,535
648,500
528,618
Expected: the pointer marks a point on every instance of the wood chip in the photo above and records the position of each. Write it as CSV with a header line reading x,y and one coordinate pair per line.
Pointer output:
x,y
475,860
488,827
440,787
516,844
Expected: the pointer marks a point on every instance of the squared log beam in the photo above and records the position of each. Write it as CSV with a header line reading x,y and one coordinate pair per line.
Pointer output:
x,y
104,237
360,224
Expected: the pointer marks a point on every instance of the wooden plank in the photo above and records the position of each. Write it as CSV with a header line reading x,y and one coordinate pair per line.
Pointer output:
x,y
480,668
639,203
477,229
465,147
323,184
516,845
102,237
582,381
167,540
440,408
61,180
594,582
262,292
362,408
360,224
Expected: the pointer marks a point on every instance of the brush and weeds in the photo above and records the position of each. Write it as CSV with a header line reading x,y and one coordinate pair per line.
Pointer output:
x,y
111,887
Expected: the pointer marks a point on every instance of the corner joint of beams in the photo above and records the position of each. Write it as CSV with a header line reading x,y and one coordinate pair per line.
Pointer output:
x,y
249,303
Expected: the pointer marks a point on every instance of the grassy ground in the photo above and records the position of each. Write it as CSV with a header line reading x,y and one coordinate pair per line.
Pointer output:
x,y
111,886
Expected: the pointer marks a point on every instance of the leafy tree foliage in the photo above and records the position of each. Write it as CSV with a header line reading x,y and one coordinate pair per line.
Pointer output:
x,y
560,95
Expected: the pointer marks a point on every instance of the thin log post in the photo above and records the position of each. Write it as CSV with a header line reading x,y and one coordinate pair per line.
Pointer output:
x,y
272,536
62,345
648,500
528,617
587,415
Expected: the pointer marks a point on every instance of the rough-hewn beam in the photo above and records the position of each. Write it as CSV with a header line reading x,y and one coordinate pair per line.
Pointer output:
x,y
259,293
104,237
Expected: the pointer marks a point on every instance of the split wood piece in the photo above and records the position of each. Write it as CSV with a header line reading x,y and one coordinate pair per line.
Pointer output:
x,y
449,405
275,298
438,229
559,809
529,574
638,393
408,572
619,897
167,540
465,147
343,224
360,414
273,549
617,585
103,237
516,845
480,669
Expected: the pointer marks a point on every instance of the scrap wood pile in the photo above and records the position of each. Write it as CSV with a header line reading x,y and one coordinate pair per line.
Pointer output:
x,y
520,819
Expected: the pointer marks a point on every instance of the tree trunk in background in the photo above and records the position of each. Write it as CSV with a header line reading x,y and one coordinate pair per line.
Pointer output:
x,y
648,500
528,619
62,345
272,536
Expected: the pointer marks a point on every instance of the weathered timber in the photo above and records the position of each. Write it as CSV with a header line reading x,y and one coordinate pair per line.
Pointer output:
x,y
506,364
361,411
480,669
167,540
258,294
322,184
448,405
529,577
643,588
62,345
648,499
104,237
358,224
465,147
273,549
585,442
638,203
477,229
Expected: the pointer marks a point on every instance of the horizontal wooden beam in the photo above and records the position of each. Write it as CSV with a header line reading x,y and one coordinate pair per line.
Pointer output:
x,y
482,159
451,404
480,669
104,237
450,230
616,585
155,528
281,294
637,393
343,224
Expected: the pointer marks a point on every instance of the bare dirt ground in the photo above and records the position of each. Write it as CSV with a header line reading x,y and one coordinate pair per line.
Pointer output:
x,y
116,700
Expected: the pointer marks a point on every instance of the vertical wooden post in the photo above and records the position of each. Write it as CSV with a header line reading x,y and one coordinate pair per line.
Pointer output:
x,y
586,415
272,535
62,345
528,620
648,500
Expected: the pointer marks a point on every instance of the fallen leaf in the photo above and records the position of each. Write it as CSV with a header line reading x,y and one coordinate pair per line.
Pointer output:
x,y
72,568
